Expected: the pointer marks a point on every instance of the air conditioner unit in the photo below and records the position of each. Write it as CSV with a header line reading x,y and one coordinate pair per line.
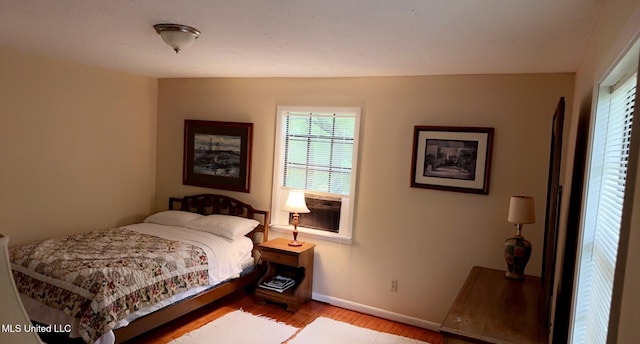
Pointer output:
x,y
324,215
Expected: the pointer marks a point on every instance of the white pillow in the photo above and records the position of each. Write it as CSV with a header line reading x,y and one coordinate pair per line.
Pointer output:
x,y
227,226
172,218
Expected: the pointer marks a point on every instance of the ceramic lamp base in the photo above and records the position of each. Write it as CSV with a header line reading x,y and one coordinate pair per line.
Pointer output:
x,y
517,251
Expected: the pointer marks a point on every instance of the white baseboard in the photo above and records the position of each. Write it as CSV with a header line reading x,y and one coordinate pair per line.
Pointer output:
x,y
378,312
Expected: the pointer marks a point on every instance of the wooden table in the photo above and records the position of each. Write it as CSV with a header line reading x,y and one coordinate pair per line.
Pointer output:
x,y
493,309
290,261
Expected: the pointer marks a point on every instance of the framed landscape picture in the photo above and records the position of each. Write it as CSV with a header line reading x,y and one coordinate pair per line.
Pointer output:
x,y
452,158
217,154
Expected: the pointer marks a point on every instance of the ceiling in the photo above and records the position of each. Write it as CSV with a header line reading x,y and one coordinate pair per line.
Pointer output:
x,y
308,38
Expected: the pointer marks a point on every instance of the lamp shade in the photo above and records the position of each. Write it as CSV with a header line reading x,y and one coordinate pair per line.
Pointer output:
x,y
177,36
522,210
295,202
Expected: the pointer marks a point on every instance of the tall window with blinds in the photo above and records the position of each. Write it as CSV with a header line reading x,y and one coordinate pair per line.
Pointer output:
x,y
316,152
319,152
603,210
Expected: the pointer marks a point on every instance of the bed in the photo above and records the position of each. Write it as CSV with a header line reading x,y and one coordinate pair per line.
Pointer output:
x,y
144,275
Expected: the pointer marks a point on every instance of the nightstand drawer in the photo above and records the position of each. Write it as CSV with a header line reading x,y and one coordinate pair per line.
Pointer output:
x,y
280,257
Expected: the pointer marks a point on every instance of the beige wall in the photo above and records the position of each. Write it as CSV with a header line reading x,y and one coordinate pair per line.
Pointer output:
x,y
77,147
428,240
618,27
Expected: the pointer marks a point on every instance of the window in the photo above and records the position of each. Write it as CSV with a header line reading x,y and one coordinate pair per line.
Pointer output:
x,y
603,209
316,151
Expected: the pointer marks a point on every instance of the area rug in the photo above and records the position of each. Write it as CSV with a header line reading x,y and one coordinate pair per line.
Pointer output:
x,y
325,330
239,327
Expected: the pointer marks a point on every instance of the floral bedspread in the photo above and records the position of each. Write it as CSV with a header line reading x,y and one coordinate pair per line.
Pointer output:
x,y
101,276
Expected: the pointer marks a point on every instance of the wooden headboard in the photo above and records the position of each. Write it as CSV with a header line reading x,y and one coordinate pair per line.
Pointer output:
x,y
207,204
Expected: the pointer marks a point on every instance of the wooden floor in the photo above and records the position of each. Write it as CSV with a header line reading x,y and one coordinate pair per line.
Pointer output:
x,y
305,315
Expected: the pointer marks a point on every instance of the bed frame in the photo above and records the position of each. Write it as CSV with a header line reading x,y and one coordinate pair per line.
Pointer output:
x,y
204,204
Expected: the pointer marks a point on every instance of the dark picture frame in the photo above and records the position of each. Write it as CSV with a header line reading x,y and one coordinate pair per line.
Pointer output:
x,y
452,158
217,154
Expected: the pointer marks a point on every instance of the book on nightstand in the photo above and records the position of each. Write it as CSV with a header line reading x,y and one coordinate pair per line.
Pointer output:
x,y
278,283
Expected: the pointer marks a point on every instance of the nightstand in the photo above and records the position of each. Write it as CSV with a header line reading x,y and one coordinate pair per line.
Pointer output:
x,y
290,262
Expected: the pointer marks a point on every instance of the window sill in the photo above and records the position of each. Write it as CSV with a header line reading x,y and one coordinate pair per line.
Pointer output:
x,y
312,233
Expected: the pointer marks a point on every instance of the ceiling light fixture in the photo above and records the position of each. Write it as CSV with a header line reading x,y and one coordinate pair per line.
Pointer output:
x,y
177,36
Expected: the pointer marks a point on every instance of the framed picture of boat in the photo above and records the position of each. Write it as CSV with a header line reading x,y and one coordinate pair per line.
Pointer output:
x,y
217,154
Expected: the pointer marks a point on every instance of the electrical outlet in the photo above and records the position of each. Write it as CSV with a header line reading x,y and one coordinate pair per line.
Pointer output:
x,y
394,285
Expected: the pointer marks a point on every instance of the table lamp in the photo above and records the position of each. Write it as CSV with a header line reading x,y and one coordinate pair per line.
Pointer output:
x,y
295,204
517,250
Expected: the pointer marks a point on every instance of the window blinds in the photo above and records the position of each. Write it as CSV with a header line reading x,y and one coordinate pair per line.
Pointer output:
x,y
603,212
318,152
